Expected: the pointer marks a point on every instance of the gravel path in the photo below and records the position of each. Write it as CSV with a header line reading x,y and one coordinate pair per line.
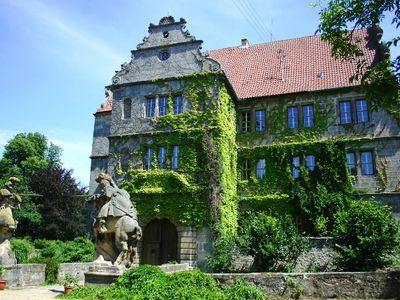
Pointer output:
x,y
32,292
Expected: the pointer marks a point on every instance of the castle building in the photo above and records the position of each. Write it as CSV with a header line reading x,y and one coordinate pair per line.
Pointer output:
x,y
196,137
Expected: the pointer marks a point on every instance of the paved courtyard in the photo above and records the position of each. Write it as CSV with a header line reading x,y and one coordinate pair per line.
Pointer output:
x,y
32,293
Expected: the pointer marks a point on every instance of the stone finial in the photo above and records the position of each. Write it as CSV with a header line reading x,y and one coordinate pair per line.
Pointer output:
x,y
167,20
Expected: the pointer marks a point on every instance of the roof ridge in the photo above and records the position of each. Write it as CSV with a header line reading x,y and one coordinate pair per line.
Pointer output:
x,y
277,41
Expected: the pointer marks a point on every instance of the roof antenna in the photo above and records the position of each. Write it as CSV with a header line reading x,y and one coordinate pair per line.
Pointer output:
x,y
282,57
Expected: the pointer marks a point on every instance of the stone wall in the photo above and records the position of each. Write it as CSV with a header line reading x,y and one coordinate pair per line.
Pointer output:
x,y
320,256
381,285
187,244
76,269
25,275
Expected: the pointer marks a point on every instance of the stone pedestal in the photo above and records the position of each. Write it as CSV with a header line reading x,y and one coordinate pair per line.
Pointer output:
x,y
7,256
102,274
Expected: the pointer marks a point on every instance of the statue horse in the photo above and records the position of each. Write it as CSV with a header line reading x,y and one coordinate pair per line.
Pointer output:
x,y
117,236
126,232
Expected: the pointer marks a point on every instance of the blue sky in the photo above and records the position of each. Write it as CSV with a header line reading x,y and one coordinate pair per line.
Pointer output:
x,y
56,56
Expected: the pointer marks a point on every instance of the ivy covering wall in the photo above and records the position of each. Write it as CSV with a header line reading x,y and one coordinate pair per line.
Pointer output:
x,y
203,188
313,195
206,189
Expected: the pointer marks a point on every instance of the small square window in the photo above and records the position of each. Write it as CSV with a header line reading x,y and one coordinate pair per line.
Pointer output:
x,y
260,120
245,121
162,106
362,111
367,163
245,169
148,158
127,108
310,162
345,112
161,157
178,105
175,157
308,116
293,117
351,163
151,106
260,169
296,167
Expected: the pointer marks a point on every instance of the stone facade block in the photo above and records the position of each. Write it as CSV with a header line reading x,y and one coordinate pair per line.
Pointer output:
x,y
25,275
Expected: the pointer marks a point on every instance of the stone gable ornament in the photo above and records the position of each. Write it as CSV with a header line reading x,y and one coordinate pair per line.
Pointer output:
x,y
115,226
8,202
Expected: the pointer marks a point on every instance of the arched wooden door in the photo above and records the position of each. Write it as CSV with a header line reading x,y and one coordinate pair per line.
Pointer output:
x,y
160,242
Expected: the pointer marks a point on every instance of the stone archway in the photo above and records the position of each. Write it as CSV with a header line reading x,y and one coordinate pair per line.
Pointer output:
x,y
160,242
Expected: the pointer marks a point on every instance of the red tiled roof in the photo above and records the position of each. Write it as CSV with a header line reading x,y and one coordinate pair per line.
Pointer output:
x,y
106,106
255,71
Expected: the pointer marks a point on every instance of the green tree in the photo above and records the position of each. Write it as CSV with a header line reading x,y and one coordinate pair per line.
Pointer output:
x,y
338,21
272,241
366,235
30,152
62,204
24,156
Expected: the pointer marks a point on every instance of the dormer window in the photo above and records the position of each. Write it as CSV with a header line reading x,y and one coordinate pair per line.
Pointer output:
x,y
164,55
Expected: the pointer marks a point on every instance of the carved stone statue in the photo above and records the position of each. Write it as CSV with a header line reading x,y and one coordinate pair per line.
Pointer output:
x,y
8,202
115,226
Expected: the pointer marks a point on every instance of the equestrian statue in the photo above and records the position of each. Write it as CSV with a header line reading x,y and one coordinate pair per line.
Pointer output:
x,y
115,227
8,202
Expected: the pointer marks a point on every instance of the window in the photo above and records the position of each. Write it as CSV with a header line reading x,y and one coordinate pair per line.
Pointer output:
x,y
151,106
351,163
362,111
310,162
161,157
345,112
163,106
296,167
260,120
246,121
246,170
293,117
308,115
178,105
260,169
367,164
148,158
127,108
164,55
353,111
175,157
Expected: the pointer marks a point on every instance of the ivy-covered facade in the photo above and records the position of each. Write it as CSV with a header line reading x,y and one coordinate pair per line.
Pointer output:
x,y
181,134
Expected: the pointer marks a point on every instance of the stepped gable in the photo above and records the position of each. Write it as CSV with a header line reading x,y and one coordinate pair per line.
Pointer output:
x,y
169,51
290,66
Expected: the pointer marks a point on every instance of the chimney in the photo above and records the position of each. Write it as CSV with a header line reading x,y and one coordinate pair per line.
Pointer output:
x,y
244,43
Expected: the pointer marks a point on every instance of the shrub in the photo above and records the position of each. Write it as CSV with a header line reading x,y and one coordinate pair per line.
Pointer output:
x,y
150,283
193,284
366,234
81,249
221,259
318,206
54,252
22,248
273,242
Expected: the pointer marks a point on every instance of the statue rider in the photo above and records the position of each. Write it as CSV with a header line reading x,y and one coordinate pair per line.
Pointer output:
x,y
7,201
116,201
